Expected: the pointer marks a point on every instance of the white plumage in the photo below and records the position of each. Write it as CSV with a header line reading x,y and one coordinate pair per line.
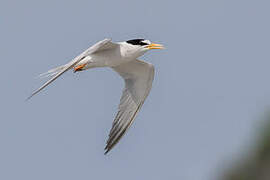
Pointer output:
x,y
122,57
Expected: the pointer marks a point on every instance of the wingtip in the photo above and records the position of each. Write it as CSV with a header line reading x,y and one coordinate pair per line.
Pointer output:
x,y
105,153
107,149
28,98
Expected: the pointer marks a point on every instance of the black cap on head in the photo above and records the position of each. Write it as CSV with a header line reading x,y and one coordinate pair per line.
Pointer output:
x,y
140,42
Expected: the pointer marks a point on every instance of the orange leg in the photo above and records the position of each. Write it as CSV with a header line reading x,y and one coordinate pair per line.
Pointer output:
x,y
79,67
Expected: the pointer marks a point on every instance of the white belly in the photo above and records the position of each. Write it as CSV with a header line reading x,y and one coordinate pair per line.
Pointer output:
x,y
109,58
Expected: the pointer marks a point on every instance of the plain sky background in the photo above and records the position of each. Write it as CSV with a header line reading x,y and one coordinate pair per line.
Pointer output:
x,y
210,90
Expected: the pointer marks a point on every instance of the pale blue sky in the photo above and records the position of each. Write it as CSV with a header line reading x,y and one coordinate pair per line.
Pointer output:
x,y
210,89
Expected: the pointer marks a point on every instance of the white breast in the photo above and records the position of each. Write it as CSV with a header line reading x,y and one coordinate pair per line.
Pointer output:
x,y
110,58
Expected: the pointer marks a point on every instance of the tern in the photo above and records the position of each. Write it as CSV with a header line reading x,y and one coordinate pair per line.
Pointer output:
x,y
122,58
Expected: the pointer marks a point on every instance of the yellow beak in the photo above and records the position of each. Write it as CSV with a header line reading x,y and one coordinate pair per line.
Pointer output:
x,y
155,46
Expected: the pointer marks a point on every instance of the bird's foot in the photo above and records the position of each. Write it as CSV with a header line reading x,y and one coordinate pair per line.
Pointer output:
x,y
78,68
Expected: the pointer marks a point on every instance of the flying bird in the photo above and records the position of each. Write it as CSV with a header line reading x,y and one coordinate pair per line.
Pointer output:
x,y
122,58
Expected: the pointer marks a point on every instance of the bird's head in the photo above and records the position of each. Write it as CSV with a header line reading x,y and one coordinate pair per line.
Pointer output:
x,y
138,47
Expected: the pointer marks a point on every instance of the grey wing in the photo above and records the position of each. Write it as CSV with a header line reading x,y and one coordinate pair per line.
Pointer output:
x,y
138,76
99,46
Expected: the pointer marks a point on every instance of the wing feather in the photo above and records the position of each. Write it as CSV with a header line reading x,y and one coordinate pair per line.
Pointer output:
x,y
100,46
138,76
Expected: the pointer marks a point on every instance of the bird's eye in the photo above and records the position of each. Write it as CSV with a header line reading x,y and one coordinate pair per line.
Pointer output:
x,y
140,42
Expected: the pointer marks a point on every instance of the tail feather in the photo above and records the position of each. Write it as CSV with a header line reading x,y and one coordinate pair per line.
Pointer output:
x,y
56,72
52,72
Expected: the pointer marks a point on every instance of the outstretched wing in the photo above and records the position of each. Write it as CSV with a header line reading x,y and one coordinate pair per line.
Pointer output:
x,y
100,46
138,76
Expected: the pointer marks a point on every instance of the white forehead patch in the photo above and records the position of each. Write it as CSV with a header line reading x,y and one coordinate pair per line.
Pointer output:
x,y
146,41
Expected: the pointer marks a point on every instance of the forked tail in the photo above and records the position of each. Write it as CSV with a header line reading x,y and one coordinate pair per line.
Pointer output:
x,y
52,72
56,72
